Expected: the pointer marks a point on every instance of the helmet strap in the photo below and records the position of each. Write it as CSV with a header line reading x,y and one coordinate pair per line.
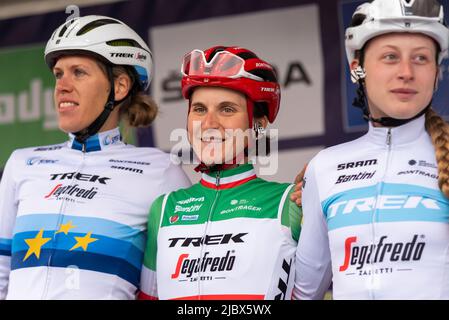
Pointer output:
x,y
82,135
360,101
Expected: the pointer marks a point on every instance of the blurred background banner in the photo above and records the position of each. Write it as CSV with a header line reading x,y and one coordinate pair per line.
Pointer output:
x,y
303,39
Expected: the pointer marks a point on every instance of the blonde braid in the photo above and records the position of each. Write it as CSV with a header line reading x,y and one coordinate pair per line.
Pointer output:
x,y
439,133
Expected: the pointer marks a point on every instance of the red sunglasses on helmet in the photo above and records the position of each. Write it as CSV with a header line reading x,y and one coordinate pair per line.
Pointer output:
x,y
223,64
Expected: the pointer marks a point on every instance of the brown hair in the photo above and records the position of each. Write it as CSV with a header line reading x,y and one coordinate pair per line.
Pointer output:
x,y
439,133
138,109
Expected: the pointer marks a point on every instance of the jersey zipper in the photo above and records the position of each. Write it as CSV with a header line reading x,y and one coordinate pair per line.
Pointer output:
x,y
203,246
379,192
58,224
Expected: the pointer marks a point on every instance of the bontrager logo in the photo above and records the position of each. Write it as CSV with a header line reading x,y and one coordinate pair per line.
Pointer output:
x,y
189,267
382,202
207,240
356,164
79,176
130,161
358,256
419,172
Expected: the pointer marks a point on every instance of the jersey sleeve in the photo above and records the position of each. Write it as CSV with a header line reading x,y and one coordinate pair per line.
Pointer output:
x,y
148,279
174,178
8,212
313,259
292,215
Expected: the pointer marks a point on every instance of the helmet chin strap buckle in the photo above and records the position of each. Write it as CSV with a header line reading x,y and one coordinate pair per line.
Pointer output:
x,y
358,74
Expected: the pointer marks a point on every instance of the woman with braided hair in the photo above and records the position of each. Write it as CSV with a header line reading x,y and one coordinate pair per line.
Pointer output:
x,y
377,222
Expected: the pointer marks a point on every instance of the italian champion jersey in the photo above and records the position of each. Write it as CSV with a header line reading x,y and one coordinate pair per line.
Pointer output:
x,y
230,236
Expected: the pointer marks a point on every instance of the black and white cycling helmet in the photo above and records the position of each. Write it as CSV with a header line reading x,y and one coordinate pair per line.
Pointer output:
x,y
386,16
106,37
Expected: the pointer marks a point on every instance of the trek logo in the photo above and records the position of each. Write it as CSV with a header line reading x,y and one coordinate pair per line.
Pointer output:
x,y
358,256
189,267
208,240
79,176
74,191
265,89
121,55
356,164
382,202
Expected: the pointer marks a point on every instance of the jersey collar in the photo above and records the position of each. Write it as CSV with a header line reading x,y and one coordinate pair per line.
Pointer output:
x,y
229,178
97,142
404,134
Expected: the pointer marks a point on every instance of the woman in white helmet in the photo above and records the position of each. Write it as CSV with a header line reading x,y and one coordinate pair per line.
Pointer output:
x,y
73,216
376,209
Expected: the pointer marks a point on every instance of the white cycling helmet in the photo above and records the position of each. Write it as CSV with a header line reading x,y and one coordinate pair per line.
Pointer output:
x,y
107,37
385,16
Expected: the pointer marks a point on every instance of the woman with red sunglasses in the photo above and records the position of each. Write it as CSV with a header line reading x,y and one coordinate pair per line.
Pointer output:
x,y
232,235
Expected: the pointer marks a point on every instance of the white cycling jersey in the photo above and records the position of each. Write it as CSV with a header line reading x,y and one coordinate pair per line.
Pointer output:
x,y
73,222
375,221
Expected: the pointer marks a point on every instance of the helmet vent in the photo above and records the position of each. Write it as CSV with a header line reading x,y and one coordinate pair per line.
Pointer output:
x,y
357,19
63,30
246,55
124,43
266,75
95,24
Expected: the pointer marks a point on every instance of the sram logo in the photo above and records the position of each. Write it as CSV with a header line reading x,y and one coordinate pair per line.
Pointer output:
x,y
383,202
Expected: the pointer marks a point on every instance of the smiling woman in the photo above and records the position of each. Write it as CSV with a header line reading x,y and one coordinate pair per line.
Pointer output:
x,y
232,235
73,216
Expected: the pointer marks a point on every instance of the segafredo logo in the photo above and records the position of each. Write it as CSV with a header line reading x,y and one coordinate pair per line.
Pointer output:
x,y
141,57
174,218
74,191
358,256
187,268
